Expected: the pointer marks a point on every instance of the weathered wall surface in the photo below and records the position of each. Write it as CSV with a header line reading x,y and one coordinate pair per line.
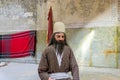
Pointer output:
x,y
17,15
82,13
92,27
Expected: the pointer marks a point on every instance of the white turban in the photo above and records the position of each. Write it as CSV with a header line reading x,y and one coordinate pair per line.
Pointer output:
x,y
59,27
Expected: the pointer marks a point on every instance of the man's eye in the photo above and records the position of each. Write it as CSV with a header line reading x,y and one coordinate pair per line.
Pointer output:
x,y
62,36
58,36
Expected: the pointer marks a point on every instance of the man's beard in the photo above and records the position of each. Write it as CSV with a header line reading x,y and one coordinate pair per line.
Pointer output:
x,y
59,45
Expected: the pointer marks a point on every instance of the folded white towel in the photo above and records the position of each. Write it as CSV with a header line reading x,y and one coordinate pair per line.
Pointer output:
x,y
61,75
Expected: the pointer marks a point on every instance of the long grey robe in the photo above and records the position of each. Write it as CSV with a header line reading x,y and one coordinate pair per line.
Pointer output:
x,y
49,64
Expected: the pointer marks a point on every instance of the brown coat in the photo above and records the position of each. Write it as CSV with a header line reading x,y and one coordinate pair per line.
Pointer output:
x,y
49,64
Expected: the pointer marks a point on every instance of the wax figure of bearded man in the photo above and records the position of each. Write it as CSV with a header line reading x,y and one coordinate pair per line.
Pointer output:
x,y
58,58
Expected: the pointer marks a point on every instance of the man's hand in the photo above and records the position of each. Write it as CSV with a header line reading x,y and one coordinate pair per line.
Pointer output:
x,y
51,79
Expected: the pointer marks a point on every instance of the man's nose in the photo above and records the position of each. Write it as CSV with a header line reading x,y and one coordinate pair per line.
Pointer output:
x,y
61,38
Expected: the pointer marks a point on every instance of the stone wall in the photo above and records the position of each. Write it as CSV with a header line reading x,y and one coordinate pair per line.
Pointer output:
x,y
92,27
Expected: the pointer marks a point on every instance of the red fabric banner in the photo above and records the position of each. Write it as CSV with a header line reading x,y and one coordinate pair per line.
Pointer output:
x,y
17,45
50,25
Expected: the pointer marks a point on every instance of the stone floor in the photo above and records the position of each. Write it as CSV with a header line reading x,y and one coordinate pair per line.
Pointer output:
x,y
92,73
23,71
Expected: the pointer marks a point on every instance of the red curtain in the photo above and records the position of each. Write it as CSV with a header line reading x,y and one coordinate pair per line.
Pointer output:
x,y
18,45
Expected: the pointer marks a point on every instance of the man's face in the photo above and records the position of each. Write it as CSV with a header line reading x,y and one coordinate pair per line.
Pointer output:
x,y
59,37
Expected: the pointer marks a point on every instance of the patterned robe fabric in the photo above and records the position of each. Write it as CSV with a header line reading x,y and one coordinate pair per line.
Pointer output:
x,y
49,64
